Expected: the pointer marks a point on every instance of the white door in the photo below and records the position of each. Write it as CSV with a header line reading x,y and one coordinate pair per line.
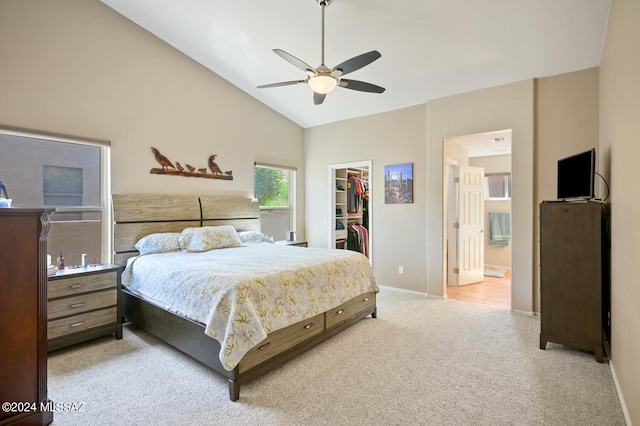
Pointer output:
x,y
470,225
452,220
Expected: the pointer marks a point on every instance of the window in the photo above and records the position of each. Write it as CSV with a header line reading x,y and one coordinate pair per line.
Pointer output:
x,y
274,187
62,186
65,173
497,186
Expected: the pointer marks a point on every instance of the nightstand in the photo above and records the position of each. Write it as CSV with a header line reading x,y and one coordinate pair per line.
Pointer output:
x,y
292,243
82,304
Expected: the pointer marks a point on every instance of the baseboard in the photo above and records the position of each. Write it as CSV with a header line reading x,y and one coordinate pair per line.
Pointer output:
x,y
625,411
527,313
404,290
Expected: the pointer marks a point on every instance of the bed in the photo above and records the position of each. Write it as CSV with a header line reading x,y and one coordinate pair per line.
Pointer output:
x,y
275,301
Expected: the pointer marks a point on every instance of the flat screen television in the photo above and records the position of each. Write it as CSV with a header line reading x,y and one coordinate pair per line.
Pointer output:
x,y
576,175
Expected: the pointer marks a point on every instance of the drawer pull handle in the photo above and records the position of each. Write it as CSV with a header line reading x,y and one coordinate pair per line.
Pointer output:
x,y
76,286
264,346
366,299
308,326
77,305
78,324
340,311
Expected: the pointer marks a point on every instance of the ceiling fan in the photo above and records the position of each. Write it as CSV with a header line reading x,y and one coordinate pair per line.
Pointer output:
x,y
322,79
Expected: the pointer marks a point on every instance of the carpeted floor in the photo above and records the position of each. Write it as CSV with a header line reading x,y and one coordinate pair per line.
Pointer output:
x,y
421,362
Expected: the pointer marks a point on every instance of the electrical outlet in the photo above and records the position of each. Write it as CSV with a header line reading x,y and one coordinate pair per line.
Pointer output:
x,y
401,270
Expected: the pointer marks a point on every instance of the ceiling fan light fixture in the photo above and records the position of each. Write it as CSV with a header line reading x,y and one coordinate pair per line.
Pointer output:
x,y
322,84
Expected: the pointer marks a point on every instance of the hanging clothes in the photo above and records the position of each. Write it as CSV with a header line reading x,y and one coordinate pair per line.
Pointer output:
x,y
365,210
357,187
358,238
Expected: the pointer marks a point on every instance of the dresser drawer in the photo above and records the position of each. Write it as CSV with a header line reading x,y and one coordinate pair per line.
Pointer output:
x,y
82,303
81,322
80,284
353,308
281,340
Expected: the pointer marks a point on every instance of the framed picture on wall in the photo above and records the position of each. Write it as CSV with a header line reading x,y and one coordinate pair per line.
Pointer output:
x,y
398,183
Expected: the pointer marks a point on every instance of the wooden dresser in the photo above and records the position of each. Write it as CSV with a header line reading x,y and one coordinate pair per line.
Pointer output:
x,y
83,304
23,315
574,275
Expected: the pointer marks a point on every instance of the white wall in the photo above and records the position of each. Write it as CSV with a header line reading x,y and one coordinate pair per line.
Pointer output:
x,y
509,106
77,67
619,154
399,233
567,116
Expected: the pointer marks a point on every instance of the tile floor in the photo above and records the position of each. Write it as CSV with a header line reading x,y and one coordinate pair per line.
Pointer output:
x,y
495,292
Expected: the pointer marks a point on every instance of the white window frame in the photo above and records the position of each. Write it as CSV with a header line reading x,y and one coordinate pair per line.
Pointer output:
x,y
105,181
487,196
292,192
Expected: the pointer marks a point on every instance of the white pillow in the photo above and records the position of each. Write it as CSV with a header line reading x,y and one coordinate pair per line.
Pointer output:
x,y
159,243
253,237
209,238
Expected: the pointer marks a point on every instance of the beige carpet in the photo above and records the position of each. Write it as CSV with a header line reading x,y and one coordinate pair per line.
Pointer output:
x,y
421,362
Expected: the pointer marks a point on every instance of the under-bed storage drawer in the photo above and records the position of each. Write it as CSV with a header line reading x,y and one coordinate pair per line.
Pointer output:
x,y
281,340
61,327
364,303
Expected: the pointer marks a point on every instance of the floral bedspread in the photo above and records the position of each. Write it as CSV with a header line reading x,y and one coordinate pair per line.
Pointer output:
x,y
243,293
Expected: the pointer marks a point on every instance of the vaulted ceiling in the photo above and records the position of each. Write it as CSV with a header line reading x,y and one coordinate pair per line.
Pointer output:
x,y
430,48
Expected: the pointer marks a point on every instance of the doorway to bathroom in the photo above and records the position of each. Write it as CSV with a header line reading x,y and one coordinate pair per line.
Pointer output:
x,y
478,237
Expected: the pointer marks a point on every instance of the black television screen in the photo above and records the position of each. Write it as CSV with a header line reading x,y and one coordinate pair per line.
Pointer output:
x,y
576,176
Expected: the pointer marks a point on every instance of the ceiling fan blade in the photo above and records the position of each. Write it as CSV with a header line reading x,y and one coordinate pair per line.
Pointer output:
x,y
318,98
284,83
293,60
360,86
357,62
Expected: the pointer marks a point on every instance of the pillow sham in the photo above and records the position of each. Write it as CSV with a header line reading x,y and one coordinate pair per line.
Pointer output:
x,y
254,237
209,238
159,243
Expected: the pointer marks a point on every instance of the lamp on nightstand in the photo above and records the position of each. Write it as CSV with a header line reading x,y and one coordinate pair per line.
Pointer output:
x,y
5,201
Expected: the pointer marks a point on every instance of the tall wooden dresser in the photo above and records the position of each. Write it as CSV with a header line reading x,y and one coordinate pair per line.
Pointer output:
x,y
23,316
574,275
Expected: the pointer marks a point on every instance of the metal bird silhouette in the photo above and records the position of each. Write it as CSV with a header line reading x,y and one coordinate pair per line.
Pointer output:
x,y
162,160
213,166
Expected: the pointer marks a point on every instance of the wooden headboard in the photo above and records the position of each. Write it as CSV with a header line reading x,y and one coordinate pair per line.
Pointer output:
x,y
137,215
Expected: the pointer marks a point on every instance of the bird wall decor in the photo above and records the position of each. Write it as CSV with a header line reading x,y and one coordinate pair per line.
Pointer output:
x,y
210,171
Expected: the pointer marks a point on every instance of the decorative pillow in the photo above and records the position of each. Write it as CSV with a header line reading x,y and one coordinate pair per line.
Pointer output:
x,y
254,237
209,238
159,243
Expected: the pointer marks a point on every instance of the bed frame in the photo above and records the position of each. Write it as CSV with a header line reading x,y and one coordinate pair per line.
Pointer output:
x,y
138,215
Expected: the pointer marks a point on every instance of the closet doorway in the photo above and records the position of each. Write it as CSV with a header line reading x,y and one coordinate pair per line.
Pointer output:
x,y
491,152
351,205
